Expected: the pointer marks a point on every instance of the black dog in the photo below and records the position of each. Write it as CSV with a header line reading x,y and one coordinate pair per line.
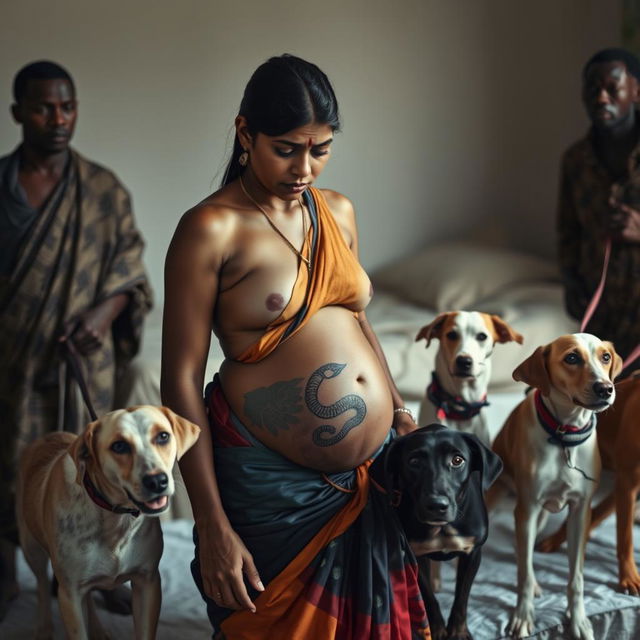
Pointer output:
x,y
436,478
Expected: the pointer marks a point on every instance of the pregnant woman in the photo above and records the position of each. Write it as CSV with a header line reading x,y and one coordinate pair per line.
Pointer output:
x,y
292,540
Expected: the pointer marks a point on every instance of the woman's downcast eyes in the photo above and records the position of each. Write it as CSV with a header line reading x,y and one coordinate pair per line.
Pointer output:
x,y
287,153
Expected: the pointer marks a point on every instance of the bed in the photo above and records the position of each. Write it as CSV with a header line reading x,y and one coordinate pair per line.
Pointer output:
x,y
524,290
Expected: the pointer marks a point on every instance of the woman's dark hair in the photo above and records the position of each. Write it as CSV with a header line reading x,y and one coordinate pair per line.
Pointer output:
x,y
40,70
283,93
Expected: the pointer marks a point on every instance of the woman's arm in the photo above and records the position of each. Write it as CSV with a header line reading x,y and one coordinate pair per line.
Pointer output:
x,y
192,269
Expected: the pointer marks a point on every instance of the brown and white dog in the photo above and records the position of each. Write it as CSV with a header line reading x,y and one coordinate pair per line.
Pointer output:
x,y
83,503
458,390
550,455
619,446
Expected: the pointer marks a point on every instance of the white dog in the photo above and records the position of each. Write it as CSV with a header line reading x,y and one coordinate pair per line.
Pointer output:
x,y
458,390
83,502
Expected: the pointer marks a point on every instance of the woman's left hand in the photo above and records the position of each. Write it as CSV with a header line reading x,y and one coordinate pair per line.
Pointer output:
x,y
403,423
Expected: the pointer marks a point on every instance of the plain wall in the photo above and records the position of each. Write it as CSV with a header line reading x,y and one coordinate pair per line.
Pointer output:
x,y
454,112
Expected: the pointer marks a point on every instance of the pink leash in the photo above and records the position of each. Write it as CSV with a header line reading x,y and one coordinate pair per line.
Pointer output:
x,y
595,300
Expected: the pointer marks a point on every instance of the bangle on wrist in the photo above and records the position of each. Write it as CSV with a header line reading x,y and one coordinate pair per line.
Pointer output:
x,y
404,410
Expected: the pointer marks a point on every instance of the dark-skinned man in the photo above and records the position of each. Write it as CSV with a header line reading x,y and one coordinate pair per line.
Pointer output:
x,y
600,199
70,269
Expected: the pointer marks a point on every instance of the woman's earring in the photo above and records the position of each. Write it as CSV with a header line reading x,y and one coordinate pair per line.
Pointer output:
x,y
243,158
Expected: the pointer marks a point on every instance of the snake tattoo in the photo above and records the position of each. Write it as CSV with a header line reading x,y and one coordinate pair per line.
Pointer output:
x,y
324,411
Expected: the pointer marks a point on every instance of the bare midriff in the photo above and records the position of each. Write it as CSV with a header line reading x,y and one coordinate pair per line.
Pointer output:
x,y
321,399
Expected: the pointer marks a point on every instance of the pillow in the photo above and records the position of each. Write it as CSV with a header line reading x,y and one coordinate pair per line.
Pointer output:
x,y
459,275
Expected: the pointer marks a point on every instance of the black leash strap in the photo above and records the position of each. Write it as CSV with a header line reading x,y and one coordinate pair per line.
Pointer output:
x,y
70,354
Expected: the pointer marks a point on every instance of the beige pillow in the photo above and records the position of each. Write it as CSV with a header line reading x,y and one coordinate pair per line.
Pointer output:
x,y
459,275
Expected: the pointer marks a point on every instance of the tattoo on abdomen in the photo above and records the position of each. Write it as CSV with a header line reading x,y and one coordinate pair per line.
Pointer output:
x,y
275,408
324,411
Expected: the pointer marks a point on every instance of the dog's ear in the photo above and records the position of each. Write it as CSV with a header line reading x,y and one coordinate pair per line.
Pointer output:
x,y
533,371
616,362
487,462
83,448
185,432
434,328
503,332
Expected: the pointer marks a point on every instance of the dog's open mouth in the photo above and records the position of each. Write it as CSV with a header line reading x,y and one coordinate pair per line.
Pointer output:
x,y
152,507
159,503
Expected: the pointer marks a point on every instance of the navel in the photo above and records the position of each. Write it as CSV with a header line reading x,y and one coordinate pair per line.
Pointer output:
x,y
274,302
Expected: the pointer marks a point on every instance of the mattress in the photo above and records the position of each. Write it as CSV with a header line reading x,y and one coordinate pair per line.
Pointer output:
x,y
614,616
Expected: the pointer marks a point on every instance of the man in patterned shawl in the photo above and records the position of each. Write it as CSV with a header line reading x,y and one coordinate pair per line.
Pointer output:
x,y
600,200
70,268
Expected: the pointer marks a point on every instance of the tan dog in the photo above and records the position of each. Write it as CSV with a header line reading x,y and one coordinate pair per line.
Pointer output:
x,y
458,390
619,445
82,502
548,447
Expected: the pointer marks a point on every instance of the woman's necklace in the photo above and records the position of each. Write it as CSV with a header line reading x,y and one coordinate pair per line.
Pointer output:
x,y
307,261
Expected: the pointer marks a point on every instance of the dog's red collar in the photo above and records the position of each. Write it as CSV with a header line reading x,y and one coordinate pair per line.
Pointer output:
x,y
450,406
565,435
101,501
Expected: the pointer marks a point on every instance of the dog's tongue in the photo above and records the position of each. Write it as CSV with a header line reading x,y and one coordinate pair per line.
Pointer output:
x,y
159,503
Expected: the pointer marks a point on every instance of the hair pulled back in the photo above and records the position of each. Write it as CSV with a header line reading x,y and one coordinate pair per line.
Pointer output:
x,y
283,93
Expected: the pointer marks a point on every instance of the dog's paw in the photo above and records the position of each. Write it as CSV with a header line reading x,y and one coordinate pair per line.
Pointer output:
x,y
580,628
521,623
630,583
438,632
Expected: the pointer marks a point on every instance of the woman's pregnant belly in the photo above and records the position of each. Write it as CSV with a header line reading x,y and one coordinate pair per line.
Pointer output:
x,y
320,399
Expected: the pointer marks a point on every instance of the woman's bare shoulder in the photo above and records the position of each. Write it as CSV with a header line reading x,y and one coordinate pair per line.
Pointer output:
x,y
339,205
214,218
209,233
344,214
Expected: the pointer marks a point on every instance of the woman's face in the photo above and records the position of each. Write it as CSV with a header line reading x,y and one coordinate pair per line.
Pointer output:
x,y
287,164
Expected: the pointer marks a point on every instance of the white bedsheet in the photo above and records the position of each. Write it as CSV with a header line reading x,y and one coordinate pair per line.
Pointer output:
x,y
615,616
182,616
